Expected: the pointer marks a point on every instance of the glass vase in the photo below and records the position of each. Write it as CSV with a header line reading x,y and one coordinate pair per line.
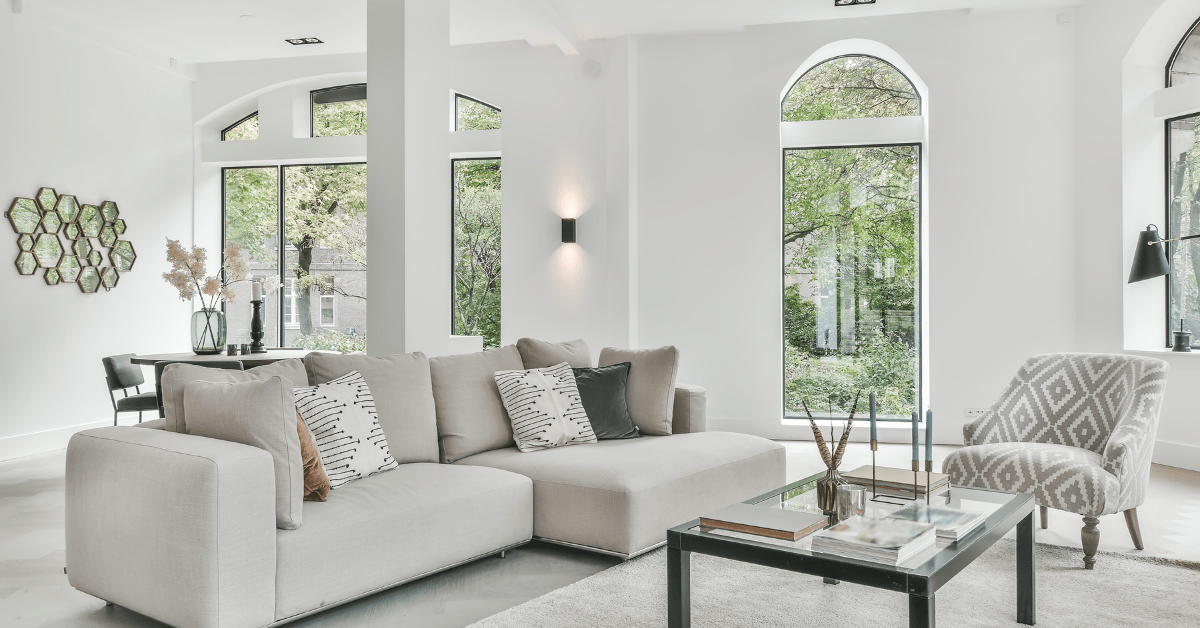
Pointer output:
x,y
208,331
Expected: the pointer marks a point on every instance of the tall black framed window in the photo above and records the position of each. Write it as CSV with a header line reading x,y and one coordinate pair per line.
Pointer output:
x,y
476,249
1183,194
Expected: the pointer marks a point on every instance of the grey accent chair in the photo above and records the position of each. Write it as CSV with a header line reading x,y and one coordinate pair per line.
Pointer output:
x,y
120,373
1077,431
230,365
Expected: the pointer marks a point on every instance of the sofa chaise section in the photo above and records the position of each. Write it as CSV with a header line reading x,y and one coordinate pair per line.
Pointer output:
x,y
393,527
620,496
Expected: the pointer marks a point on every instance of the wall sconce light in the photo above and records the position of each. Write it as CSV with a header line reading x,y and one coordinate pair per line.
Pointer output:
x,y
568,230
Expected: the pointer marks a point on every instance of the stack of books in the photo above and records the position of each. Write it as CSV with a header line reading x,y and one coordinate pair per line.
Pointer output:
x,y
898,482
952,524
776,523
888,541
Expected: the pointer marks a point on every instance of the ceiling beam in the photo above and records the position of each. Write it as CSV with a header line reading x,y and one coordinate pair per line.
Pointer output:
x,y
553,24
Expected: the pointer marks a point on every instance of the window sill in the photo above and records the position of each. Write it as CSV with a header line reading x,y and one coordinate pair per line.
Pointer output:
x,y
1161,352
859,421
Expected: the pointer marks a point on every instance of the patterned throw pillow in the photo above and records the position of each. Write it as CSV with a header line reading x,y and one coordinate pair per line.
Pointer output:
x,y
341,416
544,407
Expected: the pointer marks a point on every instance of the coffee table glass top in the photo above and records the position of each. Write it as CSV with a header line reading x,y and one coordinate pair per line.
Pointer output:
x,y
1000,509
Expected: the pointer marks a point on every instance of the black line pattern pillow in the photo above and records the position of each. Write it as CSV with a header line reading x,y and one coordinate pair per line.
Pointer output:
x,y
544,407
341,416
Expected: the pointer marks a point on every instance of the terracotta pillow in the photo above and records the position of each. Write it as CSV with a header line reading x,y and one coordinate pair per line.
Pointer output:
x,y
316,484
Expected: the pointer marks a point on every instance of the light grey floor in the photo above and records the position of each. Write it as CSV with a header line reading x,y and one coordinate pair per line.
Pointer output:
x,y
34,591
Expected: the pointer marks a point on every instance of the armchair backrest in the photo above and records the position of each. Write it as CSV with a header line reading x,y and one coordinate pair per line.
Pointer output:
x,y
1074,399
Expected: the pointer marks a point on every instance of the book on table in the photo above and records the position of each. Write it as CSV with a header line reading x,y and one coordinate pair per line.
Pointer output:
x,y
890,480
952,524
777,523
887,541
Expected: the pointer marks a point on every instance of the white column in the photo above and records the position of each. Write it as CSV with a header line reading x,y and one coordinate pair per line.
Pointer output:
x,y
385,181
622,184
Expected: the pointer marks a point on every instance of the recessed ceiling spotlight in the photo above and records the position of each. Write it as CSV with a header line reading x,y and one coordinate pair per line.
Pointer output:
x,y
850,3
304,41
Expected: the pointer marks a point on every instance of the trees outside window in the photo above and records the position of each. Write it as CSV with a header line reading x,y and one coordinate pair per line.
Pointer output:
x,y
244,129
1183,196
474,115
476,264
339,111
851,247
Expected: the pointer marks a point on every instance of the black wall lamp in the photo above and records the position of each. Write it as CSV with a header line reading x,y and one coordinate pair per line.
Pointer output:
x,y
1150,256
568,230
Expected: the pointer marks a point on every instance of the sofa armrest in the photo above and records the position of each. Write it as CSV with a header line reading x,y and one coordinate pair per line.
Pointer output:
x,y
690,414
176,527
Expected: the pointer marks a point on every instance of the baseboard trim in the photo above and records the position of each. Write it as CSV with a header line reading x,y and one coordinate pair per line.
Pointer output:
x,y
42,442
1177,455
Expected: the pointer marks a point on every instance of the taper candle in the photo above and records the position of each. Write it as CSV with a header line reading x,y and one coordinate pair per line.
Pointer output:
x,y
874,427
929,437
256,291
916,437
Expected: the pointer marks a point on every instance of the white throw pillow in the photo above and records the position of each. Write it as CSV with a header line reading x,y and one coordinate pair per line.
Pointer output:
x,y
544,407
341,416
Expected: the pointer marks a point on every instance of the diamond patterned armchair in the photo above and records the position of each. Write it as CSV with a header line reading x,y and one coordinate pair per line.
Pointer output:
x,y
1075,430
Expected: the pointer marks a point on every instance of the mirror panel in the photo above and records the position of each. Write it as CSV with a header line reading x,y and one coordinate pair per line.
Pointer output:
x,y
26,263
109,211
48,250
24,215
89,279
51,276
90,221
69,268
47,198
109,277
122,255
68,208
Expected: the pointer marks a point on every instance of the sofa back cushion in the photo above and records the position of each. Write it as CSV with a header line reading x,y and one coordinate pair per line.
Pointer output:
x,y
176,376
403,397
261,414
470,413
539,354
651,389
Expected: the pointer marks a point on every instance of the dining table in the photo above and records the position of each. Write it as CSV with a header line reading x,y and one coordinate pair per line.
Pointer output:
x,y
248,361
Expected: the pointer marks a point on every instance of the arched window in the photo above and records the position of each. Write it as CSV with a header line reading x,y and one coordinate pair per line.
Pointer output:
x,y
1183,196
340,110
474,115
849,87
851,245
244,129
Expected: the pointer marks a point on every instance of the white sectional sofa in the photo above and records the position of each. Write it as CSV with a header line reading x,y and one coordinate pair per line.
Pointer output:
x,y
182,528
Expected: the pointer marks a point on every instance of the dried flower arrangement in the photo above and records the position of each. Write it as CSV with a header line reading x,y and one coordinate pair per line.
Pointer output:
x,y
189,275
827,486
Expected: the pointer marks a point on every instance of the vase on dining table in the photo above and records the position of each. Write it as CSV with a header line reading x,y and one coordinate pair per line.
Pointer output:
x,y
208,331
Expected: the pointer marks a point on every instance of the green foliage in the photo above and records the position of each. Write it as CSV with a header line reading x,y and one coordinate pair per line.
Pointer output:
x,y
851,87
251,210
799,321
477,249
339,118
245,130
474,116
882,364
330,340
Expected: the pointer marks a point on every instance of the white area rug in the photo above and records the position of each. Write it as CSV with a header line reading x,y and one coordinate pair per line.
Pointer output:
x,y
1120,591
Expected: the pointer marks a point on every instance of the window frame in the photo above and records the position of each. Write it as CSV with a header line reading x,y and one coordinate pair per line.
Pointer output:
x,y
453,240
920,100
458,95
280,203
1168,319
312,103
1178,49
235,125
918,298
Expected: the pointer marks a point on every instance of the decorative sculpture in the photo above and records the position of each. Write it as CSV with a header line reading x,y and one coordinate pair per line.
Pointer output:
x,y
827,486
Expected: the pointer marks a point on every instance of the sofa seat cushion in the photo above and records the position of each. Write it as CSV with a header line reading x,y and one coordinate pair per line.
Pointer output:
x,y
621,496
392,526
1060,477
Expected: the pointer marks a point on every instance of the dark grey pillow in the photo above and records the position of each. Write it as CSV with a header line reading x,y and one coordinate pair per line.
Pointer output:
x,y
603,393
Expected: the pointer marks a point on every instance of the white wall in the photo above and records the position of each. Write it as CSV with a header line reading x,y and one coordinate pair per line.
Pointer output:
x,y
102,126
1000,180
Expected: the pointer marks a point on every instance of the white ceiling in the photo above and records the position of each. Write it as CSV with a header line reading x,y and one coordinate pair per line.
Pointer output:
x,y
199,31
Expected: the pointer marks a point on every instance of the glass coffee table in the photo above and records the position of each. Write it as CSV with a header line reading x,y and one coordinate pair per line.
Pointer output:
x,y
919,578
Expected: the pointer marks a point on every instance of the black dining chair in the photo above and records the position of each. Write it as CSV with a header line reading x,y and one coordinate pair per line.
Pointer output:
x,y
120,373
229,365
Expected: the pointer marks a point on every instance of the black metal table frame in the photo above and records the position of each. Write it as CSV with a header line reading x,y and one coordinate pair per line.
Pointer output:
x,y
920,584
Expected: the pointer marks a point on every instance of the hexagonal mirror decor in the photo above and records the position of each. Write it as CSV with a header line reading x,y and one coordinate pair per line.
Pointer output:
x,y
108,236
51,276
68,268
68,208
25,242
90,221
48,250
47,198
94,258
51,222
109,277
89,279
122,255
24,215
83,248
119,226
26,263
109,211
72,231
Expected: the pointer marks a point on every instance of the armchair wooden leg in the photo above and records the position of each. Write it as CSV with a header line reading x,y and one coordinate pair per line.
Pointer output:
x,y
1045,517
1135,531
1091,541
